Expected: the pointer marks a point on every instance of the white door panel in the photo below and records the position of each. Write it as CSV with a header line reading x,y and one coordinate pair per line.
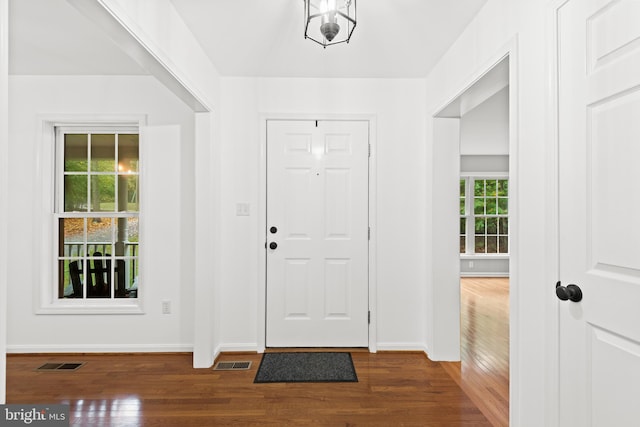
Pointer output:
x,y
599,201
317,200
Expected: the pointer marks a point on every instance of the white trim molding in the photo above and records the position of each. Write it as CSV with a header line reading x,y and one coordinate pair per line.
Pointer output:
x,y
402,346
100,348
44,300
508,50
552,221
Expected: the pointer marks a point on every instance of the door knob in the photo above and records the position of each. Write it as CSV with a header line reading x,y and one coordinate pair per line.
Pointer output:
x,y
570,292
273,245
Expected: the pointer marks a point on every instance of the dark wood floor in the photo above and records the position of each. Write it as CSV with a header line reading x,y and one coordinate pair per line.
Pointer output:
x,y
393,389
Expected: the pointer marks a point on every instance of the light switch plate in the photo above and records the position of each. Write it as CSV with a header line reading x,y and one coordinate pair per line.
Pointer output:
x,y
242,209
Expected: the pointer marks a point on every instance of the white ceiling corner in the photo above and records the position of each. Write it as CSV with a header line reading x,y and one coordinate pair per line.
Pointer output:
x,y
51,37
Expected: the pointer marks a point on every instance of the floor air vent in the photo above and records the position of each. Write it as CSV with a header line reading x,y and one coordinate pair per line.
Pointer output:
x,y
57,366
232,366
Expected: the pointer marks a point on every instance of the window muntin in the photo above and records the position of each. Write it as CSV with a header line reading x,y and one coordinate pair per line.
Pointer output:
x,y
484,220
97,213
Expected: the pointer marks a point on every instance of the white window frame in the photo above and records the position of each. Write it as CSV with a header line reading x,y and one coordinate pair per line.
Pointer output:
x,y
470,216
46,299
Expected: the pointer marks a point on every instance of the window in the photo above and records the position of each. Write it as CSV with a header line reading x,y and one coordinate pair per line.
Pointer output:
x,y
484,216
97,213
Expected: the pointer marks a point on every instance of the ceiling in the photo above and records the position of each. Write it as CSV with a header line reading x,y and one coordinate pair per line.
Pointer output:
x,y
393,39
50,37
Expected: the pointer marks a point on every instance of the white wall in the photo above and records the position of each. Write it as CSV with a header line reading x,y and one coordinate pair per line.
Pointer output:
x,y
31,96
485,129
499,25
398,106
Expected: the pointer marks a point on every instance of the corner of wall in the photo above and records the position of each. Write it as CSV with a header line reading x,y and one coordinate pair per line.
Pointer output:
x,y
4,141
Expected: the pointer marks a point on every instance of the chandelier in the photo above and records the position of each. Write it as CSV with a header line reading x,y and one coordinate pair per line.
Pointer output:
x,y
329,22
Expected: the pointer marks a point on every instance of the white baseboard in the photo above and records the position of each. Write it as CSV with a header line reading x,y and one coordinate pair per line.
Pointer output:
x,y
411,346
98,348
481,274
238,347
253,348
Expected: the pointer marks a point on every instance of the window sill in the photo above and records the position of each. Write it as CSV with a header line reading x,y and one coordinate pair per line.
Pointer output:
x,y
98,307
484,256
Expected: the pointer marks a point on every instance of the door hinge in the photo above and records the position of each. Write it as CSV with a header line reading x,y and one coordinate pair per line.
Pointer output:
x,y
369,317
369,234
369,150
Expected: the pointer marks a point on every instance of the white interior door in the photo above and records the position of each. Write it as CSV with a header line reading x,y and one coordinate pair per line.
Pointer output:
x,y
599,200
317,233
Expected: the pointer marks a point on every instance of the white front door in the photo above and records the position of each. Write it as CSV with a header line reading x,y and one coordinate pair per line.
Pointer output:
x,y
599,206
317,233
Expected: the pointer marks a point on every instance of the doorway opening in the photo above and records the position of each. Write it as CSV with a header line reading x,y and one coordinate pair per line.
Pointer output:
x,y
480,139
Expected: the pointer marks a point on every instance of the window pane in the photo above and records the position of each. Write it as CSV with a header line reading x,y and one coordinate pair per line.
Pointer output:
x,y
75,193
99,277
503,206
480,225
479,246
492,244
478,206
128,153
70,278
126,235
128,193
132,230
503,226
72,236
103,153
127,278
99,236
103,193
75,153
503,242
463,226
491,206
492,225
478,187
463,245
490,187
503,187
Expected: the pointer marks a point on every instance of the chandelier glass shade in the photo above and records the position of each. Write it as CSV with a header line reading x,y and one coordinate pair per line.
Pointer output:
x,y
329,22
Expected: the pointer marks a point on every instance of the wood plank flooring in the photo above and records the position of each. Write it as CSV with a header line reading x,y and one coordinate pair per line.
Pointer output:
x,y
394,389
483,372
399,389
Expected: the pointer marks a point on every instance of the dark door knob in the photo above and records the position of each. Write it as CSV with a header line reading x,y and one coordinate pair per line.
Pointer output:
x,y
570,292
273,230
273,245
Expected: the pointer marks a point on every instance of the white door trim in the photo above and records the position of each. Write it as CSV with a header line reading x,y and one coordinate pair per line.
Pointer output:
x,y
552,220
510,50
262,218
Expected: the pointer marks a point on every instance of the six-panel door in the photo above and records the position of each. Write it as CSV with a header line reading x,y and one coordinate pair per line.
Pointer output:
x,y
317,233
599,200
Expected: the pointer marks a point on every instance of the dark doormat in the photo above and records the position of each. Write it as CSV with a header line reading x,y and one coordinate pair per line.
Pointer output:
x,y
306,367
